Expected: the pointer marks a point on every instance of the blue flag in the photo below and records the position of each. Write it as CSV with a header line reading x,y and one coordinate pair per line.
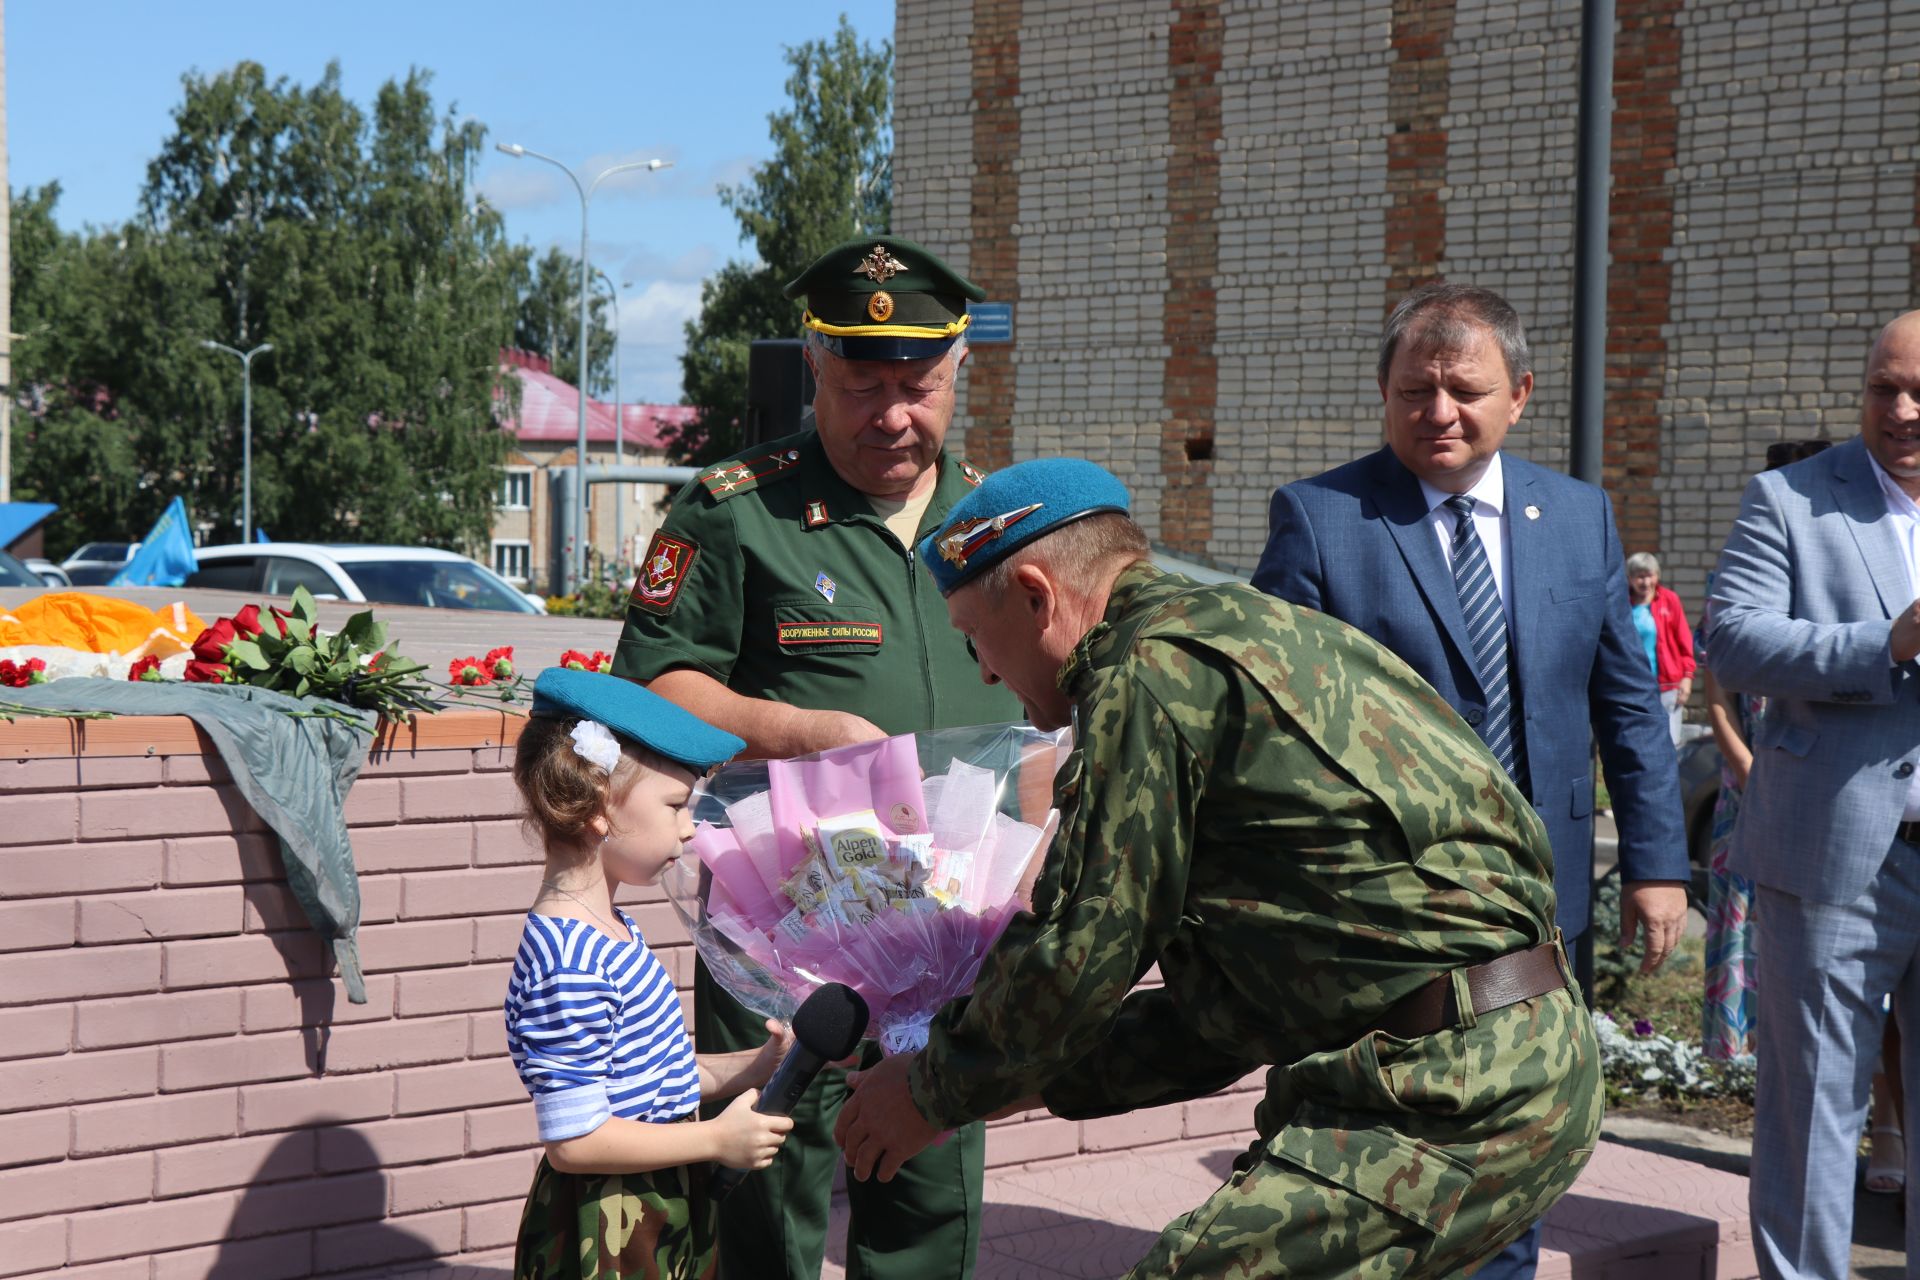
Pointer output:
x,y
165,557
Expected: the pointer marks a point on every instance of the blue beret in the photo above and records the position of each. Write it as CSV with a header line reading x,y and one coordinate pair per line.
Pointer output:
x,y
633,713
1013,507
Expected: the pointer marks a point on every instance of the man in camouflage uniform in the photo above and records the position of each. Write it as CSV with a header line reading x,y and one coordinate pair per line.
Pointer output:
x,y
783,601
1334,876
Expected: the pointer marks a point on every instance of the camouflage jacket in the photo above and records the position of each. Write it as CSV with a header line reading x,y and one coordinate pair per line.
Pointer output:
x,y
1275,810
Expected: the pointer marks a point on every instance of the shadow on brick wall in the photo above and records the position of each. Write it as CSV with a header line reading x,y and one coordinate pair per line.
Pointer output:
x,y
335,1224
308,963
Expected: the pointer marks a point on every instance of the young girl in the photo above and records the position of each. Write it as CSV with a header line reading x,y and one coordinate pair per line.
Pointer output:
x,y
593,1021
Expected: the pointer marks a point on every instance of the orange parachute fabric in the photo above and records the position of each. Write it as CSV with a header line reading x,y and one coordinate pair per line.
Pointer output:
x,y
100,624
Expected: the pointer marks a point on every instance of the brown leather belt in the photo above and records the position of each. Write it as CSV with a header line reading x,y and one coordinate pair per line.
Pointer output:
x,y
1516,976
1909,832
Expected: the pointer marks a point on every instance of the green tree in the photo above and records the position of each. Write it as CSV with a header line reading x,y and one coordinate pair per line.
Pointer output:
x,y
355,246
549,321
830,179
71,443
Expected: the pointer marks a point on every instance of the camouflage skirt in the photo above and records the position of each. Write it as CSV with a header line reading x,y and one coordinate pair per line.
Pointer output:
x,y
633,1226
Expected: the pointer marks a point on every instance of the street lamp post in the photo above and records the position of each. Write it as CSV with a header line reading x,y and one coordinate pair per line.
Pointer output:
x,y
619,422
246,428
577,563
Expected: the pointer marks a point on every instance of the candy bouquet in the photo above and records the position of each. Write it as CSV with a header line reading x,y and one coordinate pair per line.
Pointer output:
x,y
890,866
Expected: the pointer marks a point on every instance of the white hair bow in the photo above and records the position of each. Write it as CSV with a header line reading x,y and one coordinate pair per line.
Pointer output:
x,y
595,744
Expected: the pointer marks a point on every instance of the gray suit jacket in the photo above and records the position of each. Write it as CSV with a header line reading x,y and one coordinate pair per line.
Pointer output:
x,y
1802,607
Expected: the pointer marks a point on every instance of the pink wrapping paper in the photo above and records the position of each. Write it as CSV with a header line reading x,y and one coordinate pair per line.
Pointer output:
x,y
906,948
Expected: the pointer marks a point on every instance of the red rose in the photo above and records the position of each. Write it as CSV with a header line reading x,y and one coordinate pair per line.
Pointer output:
x,y
247,622
499,662
467,671
199,672
148,668
211,646
280,617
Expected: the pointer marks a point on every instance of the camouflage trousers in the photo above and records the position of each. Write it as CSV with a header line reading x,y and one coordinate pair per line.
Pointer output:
x,y
633,1226
1403,1158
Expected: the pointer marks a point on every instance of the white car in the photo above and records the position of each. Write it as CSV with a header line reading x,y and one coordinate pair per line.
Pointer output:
x,y
380,574
93,564
48,572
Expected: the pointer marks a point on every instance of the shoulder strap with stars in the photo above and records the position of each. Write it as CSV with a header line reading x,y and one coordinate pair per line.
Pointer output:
x,y
744,474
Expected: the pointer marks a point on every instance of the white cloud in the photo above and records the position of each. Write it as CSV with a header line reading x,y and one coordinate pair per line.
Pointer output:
x,y
518,184
652,336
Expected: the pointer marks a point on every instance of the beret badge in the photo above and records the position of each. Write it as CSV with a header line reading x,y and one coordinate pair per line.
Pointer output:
x,y
967,539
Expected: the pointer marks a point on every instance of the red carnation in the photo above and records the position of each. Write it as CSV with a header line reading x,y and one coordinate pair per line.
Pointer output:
x,y
211,645
467,671
247,622
18,675
200,672
574,660
602,662
499,662
148,668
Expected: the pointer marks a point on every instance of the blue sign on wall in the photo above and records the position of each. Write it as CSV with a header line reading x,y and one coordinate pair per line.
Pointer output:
x,y
992,322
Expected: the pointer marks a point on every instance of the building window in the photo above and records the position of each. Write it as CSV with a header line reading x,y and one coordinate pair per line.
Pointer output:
x,y
516,490
511,560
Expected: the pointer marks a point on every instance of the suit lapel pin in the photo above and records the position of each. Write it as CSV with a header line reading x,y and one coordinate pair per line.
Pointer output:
x,y
1533,512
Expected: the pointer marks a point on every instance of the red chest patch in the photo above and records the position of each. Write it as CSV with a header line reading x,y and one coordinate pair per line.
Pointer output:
x,y
662,572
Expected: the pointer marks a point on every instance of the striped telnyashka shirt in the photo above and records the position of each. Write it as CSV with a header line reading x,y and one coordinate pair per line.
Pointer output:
x,y
595,1029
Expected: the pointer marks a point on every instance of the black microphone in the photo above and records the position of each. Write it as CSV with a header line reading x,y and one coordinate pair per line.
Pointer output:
x,y
826,1028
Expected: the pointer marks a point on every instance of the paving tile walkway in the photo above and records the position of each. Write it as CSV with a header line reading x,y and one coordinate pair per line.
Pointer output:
x,y
1634,1214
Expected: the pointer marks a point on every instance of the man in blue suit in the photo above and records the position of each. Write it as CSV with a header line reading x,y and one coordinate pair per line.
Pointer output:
x,y
1502,583
1814,606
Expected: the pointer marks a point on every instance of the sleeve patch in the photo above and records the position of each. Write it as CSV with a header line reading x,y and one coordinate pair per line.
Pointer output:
x,y
662,572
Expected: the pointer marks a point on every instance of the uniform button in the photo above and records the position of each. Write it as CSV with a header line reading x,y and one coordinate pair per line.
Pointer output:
x,y
1905,770
1475,715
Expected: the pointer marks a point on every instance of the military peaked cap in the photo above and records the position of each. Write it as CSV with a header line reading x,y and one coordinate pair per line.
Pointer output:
x,y
884,298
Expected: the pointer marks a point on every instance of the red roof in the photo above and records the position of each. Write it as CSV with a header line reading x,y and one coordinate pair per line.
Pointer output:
x,y
550,411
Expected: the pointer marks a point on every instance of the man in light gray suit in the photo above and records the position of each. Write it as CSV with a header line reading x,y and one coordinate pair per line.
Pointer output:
x,y
1814,606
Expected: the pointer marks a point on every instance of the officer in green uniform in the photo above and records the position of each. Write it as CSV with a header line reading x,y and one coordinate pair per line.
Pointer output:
x,y
784,600
1336,880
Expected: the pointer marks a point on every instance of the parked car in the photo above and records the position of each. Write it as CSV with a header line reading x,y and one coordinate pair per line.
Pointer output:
x,y
14,573
48,572
93,564
381,574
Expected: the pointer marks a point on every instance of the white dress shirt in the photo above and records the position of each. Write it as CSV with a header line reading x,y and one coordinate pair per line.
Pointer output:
x,y
1489,521
1905,514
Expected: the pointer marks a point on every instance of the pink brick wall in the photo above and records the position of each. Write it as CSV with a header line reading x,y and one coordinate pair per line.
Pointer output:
x,y
185,1092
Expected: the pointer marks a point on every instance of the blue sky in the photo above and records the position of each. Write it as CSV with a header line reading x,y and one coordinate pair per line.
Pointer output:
x,y
91,85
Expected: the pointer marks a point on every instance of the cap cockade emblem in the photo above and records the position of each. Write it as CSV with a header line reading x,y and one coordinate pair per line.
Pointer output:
x,y
879,266
968,538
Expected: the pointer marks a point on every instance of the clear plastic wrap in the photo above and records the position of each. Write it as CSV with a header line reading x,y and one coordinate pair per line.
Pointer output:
x,y
890,866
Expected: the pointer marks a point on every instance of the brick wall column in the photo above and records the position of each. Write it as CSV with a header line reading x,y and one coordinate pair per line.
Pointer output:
x,y
1417,91
995,257
1646,125
1189,324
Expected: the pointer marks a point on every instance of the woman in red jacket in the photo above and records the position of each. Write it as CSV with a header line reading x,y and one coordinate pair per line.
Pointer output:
x,y
1672,647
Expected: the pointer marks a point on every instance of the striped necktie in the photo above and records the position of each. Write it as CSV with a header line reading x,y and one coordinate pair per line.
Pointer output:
x,y
1487,632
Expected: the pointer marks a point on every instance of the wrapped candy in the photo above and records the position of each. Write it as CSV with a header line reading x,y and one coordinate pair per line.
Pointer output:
x,y
891,866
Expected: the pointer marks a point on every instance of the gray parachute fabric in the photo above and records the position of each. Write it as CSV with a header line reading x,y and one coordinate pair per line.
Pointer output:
x,y
292,766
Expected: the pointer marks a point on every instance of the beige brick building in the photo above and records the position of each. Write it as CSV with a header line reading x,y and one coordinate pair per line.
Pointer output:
x,y
546,436
1202,211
